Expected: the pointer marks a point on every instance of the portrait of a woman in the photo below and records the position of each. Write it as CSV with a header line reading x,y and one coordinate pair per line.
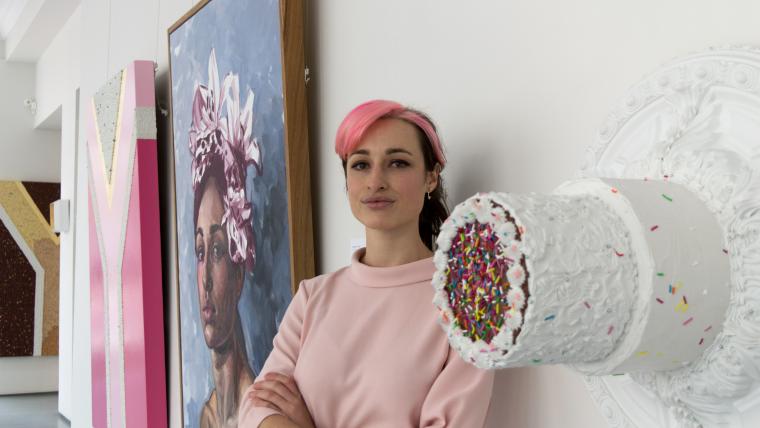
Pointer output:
x,y
222,149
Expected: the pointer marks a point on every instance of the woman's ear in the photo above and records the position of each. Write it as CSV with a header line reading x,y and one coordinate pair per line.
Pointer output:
x,y
431,181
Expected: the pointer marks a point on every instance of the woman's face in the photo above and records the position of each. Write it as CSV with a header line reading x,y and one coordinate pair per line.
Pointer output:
x,y
386,177
219,280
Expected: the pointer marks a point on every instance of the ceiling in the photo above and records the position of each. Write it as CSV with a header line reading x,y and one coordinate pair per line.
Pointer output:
x,y
10,10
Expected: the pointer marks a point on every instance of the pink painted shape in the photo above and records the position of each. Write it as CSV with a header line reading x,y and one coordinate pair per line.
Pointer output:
x,y
143,330
111,219
147,397
97,330
152,284
145,91
142,298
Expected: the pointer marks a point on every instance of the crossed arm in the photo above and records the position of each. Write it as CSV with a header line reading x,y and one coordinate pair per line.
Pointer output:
x,y
277,421
279,392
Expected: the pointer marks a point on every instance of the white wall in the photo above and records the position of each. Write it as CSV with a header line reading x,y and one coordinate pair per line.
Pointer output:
x,y
517,88
58,68
22,375
57,79
27,154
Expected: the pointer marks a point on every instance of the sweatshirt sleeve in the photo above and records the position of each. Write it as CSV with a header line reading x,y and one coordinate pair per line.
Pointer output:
x,y
282,359
459,397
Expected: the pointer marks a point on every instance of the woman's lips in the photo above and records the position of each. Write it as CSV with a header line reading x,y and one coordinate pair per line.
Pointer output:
x,y
378,203
208,313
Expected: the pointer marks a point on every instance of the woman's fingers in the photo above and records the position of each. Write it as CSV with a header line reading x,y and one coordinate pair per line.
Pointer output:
x,y
276,387
280,392
287,381
281,403
259,402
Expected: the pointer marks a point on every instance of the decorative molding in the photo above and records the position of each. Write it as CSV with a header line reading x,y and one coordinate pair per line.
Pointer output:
x,y
603,398
696,122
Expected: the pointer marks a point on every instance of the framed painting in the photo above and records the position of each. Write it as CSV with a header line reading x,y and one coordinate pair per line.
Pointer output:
x,y
242,193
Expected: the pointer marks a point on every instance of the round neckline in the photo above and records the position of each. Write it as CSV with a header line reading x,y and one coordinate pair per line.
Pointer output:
x,y
392,276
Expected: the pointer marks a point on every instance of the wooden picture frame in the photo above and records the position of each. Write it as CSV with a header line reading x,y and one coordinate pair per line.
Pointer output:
x,y
241,35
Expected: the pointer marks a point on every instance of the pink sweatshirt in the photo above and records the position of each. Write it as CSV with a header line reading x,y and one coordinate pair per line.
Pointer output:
x,y
364,347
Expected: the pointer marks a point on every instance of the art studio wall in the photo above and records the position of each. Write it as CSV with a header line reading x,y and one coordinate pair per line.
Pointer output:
x,y
32,154
518,90
57,80
27,155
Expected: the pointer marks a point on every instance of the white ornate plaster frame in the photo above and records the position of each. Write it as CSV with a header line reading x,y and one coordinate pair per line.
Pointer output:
x,y
696,121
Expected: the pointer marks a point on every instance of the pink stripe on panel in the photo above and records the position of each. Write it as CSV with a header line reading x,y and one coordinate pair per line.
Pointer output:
x,y
115,360
145,92
152,282
134,330
142,279
141,270
97,330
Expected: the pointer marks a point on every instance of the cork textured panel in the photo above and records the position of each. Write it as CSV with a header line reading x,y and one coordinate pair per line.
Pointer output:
x,y
43,194
25,215
16,298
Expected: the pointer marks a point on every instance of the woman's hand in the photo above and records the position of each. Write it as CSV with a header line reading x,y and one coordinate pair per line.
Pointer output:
x,y
280,392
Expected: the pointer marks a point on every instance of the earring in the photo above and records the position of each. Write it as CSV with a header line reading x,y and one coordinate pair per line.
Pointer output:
x,y
428,195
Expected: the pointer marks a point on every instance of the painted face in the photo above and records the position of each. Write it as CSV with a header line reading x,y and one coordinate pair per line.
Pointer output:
x,y
219,280
386,177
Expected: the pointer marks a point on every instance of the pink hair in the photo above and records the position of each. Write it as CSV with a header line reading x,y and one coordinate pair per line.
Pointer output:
x,y
357,122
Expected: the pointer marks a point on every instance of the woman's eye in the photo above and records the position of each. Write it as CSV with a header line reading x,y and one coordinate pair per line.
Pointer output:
x,y
359,166
398,163
217,249
199,253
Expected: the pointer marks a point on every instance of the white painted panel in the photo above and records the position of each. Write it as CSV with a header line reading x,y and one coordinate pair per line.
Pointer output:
x,y
69,131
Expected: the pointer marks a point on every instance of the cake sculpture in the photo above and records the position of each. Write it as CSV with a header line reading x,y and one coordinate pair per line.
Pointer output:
x,y
652,273
606,275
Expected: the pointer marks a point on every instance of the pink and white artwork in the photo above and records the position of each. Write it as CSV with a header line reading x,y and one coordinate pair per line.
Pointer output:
x,y
127,334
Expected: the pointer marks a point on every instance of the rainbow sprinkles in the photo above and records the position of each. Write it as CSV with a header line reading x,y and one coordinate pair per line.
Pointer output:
x,y
482,286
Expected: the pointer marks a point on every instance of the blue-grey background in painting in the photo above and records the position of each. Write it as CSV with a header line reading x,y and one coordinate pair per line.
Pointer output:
x,y
245,35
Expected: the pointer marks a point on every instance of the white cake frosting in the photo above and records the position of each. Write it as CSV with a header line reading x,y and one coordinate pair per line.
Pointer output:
x,y
622,275
683,274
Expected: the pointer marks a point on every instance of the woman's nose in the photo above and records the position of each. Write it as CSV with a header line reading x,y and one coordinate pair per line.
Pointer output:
x,y
207,282
377,179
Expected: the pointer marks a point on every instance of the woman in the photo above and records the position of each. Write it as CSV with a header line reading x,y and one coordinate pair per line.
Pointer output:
x,y
361,347
222,149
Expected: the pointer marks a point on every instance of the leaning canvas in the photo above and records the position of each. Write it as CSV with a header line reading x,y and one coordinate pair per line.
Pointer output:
x,y
241,191
126,298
